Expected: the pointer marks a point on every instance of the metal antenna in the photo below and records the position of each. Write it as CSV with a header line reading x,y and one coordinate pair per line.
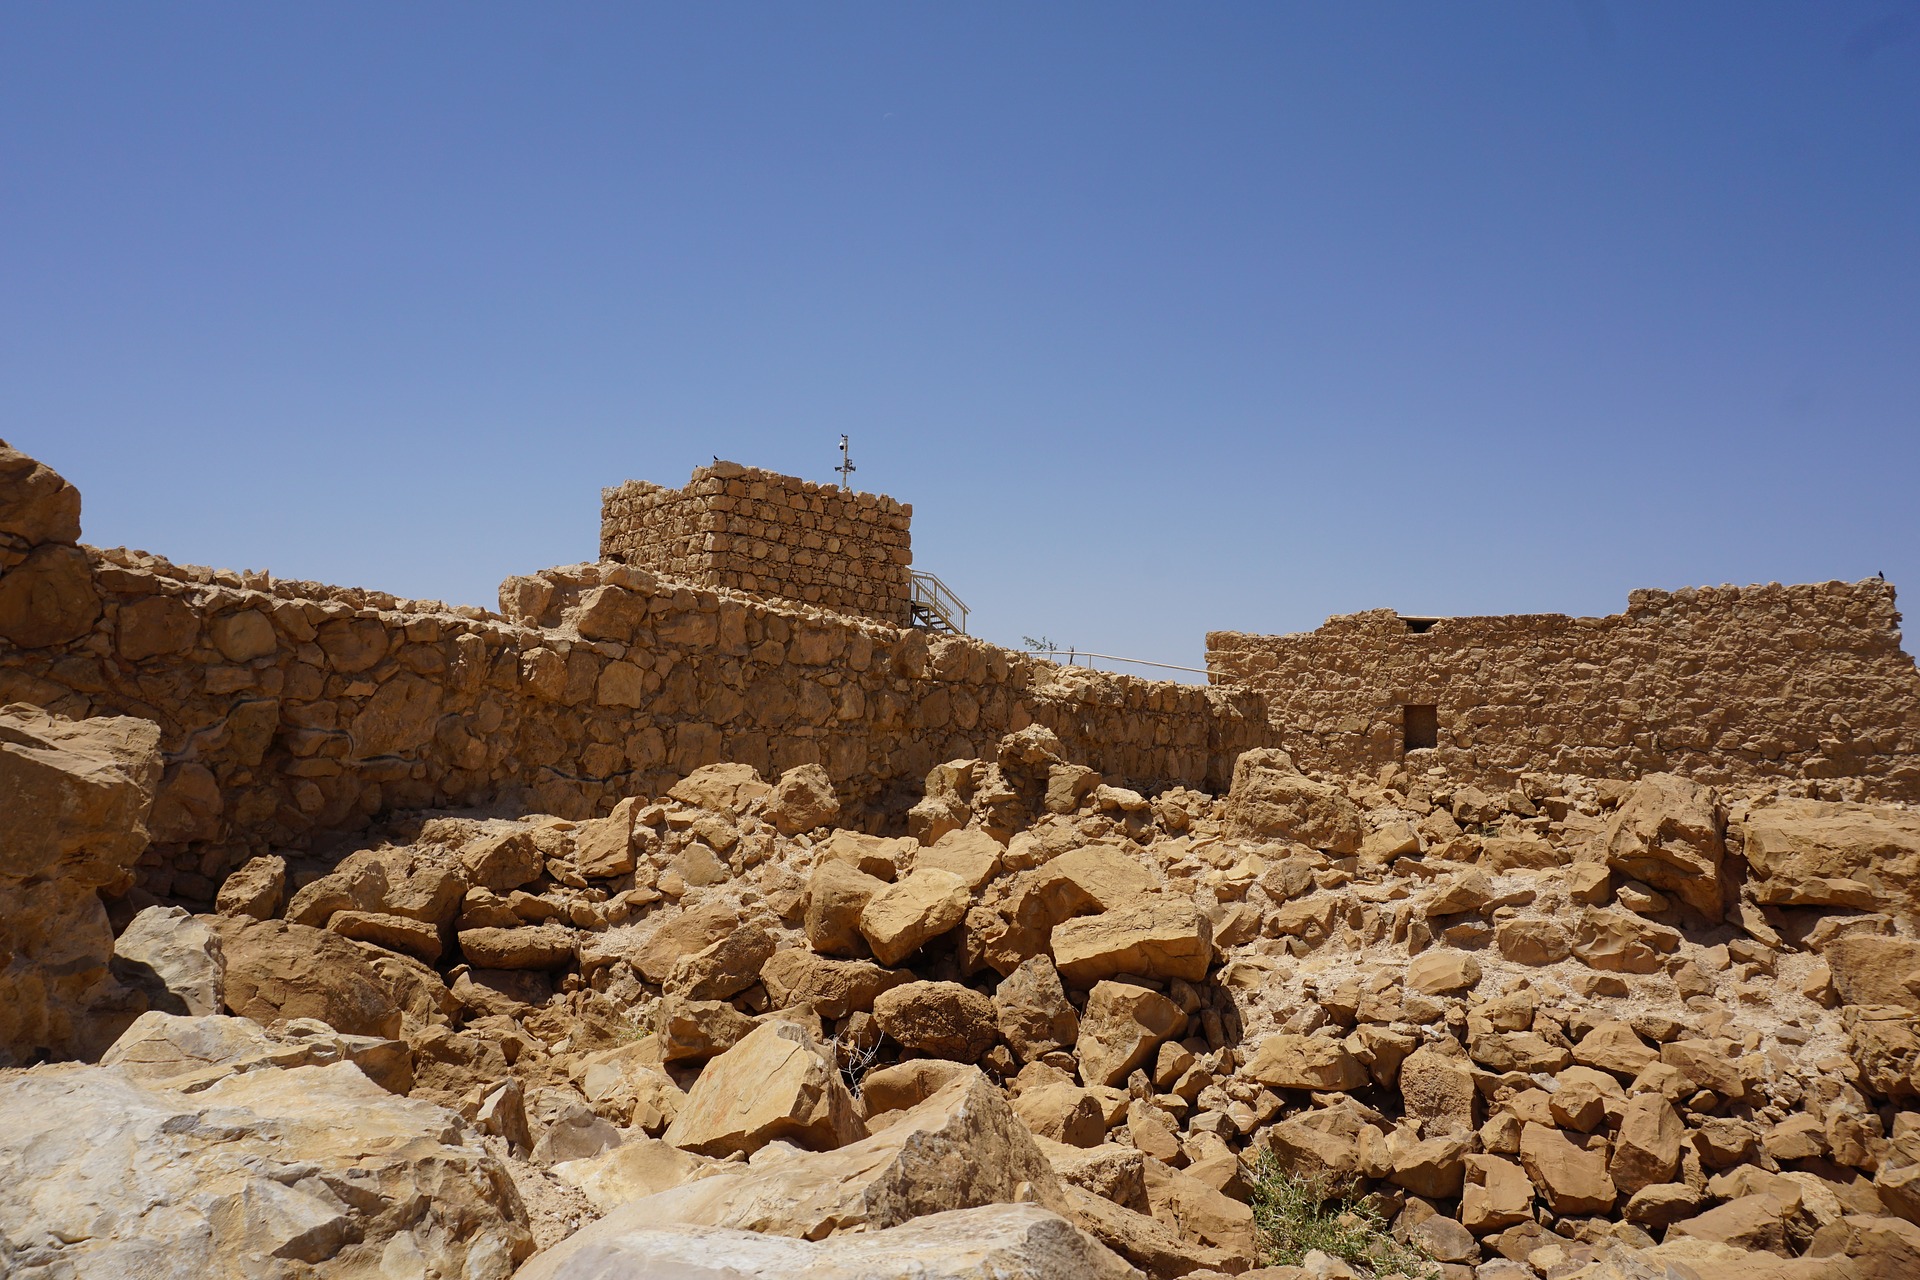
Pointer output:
x,y
846,467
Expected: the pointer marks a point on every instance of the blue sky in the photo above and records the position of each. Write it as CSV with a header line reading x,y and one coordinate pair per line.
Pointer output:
x,y
1165,318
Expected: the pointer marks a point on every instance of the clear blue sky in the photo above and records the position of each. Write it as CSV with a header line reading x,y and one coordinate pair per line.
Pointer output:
x,y
1164,317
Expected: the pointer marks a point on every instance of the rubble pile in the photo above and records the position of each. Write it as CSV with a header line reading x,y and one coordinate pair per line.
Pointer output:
x,y
1059,1028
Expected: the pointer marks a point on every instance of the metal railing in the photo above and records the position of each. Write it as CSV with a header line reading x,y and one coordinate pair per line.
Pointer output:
x,y
1074,655
934,606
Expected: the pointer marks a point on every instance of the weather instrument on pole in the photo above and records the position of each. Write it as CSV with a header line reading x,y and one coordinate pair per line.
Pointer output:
x,y
846,467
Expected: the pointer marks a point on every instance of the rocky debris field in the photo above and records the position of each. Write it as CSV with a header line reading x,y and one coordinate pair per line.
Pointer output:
x,y
1574,1028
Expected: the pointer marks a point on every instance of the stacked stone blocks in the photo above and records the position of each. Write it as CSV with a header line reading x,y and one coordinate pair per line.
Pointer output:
x,y
773,536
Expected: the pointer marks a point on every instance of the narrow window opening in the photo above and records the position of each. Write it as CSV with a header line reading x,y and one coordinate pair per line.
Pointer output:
x,y
1420,728
1419,626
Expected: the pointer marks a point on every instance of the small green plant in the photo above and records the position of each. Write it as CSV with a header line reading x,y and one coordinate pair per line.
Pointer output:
x,y
1295,1215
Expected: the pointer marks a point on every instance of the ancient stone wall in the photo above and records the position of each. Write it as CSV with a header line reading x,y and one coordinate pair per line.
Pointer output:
x,y
288,710
768,535
1718,683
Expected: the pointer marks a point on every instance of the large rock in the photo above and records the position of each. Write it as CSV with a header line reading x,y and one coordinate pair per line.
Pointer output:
x,y
1670,833
314,1171
961,1148
72,824
49,598
191,1053
939,1019
1871,969
1162,937
174,960
802,799
1285,1060
1006,1242
1032,1010
281,970
775,1084
1089,879
1646,1144
835,988
1810,853
836,895
723,788
1122,1026
1270,799
913,911
36,503
1571,1179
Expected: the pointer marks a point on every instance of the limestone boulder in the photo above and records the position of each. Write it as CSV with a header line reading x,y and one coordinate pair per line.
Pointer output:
x,y
49,598
539,946
776,1084
1005,1241
190,1053
1533,941
1872,969
913,911
722,788
834,988
281,970
1671,833
1145,1241
939,1019
1081,881
1321,1063
1031,1009
974,856
654,948
1063,1112
312,1171
1646,1143
36,503
1121,1028
837,893
174,960
257,888
1442,971
72,825
695,1030
908,1084
603,847
1272,800
1814,853
724,967
801,800
501,857
1162,937
961,1148
1571,1179
1197,1211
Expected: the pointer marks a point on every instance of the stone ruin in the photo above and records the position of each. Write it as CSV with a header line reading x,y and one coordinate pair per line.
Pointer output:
x,y
657,927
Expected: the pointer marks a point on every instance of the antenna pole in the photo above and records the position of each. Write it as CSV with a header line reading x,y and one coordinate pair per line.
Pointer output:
x,y
846,467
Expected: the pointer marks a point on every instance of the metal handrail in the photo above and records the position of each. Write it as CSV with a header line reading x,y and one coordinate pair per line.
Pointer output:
x,y
1051,655
938,598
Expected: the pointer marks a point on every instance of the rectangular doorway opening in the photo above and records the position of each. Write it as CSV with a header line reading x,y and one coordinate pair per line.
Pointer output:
x,y
1420,728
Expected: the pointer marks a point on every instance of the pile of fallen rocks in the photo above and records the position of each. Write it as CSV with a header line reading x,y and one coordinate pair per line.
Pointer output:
x,y
1056,1028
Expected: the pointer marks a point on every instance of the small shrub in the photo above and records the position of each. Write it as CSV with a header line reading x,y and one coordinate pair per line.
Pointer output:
x,y
1295,1215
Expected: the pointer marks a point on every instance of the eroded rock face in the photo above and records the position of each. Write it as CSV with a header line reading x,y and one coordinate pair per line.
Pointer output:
x,y
1007,1242
1810,853
1271,798
73,822
314,1171
1671,833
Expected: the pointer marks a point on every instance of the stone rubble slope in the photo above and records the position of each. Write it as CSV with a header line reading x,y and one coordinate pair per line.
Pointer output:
x,y
1573,1028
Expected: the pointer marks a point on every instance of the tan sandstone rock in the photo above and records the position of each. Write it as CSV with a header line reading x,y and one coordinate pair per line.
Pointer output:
x,y
775,1084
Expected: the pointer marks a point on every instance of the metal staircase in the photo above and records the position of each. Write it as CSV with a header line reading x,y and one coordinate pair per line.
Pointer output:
x,y
934,607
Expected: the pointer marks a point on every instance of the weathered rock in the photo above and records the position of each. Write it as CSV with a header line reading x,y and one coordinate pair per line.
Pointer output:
x,y
257,889
1755,1222
1005,1241
1442,972
77,794
724,967
1571,1179
1123,1024
1496,1193
540,946
1064,1113
1318,1062
801,800
775,1084
940,1019
1533,941
1031,1009
1670,833
314,1170
913,911
1616,1047
1619,942
603,847
1874,970
48,598
1646,1144
1269,798
873,855
1436,1088
722,788
412,937
1809,853
1090,879
974,856
575,1133
502,858
1161,937
835,988
1198,1211
1107,1169
960,1148
908,1084
655,951
174,960
36,503
1143,1240
695,1030
836,895
191,1053
281,970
